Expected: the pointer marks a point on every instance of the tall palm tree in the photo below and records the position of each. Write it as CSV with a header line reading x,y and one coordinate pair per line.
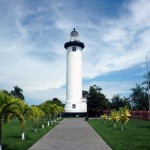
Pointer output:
x,y
138,95
147,80
9,106
18,92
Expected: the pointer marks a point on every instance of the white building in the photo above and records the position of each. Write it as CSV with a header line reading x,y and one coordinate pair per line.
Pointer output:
x,y
74,101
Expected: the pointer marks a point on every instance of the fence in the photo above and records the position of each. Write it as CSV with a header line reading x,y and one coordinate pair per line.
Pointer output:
x,y
135,114
140,114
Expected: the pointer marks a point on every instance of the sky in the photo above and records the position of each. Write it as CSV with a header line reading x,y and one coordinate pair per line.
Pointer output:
x,y
116,34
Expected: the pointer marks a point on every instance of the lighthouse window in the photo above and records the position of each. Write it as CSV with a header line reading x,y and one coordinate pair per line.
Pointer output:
x,y
73,105
74,48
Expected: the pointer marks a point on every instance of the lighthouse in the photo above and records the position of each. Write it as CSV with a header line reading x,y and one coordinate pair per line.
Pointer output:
x,y
75,104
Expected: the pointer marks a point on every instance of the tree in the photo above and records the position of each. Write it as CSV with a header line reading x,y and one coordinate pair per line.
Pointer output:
x,y
44,109
9,106
6,92
25,112
53,111
17,92
139,97
105,118
61,110
58,102
96,101
118,102
124,115
114,116
147,81
35,115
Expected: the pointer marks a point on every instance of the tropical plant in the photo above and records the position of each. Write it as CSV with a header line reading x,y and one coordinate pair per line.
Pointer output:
x,y
17,92
44,109
35,115
48,107
118,102
53,111
61,110
105,118
25,112
139,97
114,116
124,116
50,110
9,106
147,81
57,112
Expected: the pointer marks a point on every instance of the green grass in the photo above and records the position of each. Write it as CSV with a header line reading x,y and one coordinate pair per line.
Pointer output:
x,y
136,135
11,135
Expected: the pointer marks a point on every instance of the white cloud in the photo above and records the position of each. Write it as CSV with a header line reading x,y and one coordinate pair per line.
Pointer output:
x,y
123,42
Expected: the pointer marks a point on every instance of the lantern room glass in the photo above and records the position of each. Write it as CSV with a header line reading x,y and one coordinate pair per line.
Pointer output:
x,y
74,35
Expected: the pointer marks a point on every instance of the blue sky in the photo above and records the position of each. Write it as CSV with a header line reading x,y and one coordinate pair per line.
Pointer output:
x,y
33,33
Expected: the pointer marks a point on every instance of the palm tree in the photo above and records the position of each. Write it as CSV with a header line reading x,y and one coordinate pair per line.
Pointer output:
x,y
17,92
53,112
9,106
48,110
25,112
138,95
147,81
35,115
61,110
43,108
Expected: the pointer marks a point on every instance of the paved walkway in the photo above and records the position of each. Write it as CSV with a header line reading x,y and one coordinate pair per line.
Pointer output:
x,y
71,134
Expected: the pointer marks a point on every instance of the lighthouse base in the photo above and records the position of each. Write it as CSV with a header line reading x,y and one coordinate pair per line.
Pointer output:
x,y
76,106
74,114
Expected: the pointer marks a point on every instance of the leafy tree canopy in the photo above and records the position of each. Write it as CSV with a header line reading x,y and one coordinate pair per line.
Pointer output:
x,y
118,102
96,101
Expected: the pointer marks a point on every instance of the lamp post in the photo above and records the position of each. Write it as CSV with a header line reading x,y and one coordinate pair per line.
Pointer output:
x,y
148,80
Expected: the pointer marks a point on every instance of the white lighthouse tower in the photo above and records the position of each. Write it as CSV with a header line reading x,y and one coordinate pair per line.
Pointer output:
x,y
75,104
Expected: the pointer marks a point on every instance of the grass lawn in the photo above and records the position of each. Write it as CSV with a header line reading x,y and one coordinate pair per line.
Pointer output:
x,y
11,135
136,135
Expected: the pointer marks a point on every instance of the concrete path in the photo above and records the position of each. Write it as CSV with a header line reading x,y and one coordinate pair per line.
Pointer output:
x,y
71,134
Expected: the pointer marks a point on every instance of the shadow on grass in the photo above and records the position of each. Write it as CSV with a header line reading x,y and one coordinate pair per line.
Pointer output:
x,y
108,125
19,137
143,126
5,147
14,137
